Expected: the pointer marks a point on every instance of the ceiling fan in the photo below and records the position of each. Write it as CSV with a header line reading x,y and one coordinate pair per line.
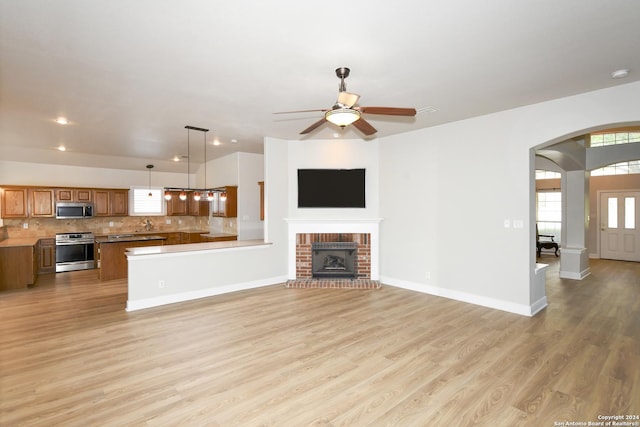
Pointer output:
x,y
345,112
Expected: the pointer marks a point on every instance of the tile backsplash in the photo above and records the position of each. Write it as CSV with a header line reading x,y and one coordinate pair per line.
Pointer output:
x,y
48,227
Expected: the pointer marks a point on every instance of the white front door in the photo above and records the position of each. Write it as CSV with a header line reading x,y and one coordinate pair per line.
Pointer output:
x,y
620,225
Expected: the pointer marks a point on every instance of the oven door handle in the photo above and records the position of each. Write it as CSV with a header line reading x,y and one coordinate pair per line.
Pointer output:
x,y
74,243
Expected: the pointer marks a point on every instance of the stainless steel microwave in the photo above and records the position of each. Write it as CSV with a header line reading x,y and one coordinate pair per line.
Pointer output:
x,y
72,210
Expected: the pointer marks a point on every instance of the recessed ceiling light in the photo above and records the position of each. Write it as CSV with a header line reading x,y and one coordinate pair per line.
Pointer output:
x,y
233,141
336,135
176,159
620,74
62,148
62,121
427,109
216,142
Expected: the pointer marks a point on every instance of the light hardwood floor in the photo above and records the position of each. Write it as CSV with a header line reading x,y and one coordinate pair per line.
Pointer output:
x,y
71,356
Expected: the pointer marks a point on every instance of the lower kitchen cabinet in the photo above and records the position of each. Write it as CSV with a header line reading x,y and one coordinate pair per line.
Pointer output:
x,y
113,259
18,268
47,256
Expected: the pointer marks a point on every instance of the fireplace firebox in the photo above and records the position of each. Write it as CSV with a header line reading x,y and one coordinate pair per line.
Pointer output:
x,y
334,259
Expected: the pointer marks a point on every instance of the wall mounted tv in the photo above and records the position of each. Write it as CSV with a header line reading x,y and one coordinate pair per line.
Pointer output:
x,y
331,188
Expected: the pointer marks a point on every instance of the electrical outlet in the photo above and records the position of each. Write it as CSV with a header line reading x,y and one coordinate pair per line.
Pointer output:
x,y
161,284
168,221
110,223
427,275
25,225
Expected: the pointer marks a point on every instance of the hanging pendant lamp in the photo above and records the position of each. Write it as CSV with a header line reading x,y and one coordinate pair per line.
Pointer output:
x,y
149,167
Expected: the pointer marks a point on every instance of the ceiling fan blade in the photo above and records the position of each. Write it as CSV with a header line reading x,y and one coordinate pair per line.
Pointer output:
x,y
313,126
389,111
348,99
364,126
301,111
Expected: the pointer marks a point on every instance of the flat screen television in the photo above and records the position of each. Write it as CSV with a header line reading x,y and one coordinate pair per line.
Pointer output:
x,y
331,188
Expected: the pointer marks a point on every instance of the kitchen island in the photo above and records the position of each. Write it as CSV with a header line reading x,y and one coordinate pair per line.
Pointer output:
x,y
160,275
112,260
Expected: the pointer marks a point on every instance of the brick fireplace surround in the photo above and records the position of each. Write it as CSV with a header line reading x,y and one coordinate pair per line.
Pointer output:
x,y
303,251
301,233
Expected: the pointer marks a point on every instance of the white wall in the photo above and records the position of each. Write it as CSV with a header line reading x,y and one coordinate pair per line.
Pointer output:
x,y
250,171
41,174
446,192
222,171
338,154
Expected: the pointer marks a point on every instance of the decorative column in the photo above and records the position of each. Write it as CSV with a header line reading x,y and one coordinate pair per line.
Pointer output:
x,y
574,260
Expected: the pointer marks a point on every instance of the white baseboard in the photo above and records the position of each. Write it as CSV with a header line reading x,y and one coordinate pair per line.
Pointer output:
x,y
573,275
511,307
201,293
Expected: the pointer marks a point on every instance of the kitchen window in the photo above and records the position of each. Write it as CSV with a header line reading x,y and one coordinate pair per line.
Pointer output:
x,y
146,201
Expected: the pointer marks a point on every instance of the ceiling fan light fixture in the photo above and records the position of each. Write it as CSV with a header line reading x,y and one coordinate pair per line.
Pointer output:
x,y
342,116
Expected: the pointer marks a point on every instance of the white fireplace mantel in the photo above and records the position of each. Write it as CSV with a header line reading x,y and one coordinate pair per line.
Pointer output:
x,y
369,226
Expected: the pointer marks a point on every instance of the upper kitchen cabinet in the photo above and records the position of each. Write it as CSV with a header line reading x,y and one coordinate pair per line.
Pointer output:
x,y
111,202
119,202
227,208
42,203
199,207
175,206
74,195
14,203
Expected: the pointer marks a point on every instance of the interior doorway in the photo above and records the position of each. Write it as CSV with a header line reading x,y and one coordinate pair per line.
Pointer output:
x,y
619,225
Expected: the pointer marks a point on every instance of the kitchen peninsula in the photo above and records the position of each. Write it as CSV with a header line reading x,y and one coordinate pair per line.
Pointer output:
x,y
162,275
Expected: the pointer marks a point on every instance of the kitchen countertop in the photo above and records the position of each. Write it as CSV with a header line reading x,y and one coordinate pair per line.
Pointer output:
x,y
115,238
18,242
190,247
218,235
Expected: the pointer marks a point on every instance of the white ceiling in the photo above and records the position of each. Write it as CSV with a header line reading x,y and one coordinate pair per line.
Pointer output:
x,y
129,75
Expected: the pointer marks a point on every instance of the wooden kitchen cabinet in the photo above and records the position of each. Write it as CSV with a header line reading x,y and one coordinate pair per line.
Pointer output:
x,y
219,238
101,202
110,202
172,238
14,203
18,268
42,203
226,208
191,237
119,202
175,206
113,258
47,256
74,195
198,208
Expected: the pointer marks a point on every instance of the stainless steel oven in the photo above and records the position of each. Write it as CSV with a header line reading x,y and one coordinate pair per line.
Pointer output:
x,y
75,251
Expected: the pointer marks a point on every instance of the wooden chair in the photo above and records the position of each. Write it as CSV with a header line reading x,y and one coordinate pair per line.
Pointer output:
x,y
545,244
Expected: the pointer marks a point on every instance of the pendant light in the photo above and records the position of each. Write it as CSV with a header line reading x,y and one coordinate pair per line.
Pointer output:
x,y
149,167
197,193
209,192
183,193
